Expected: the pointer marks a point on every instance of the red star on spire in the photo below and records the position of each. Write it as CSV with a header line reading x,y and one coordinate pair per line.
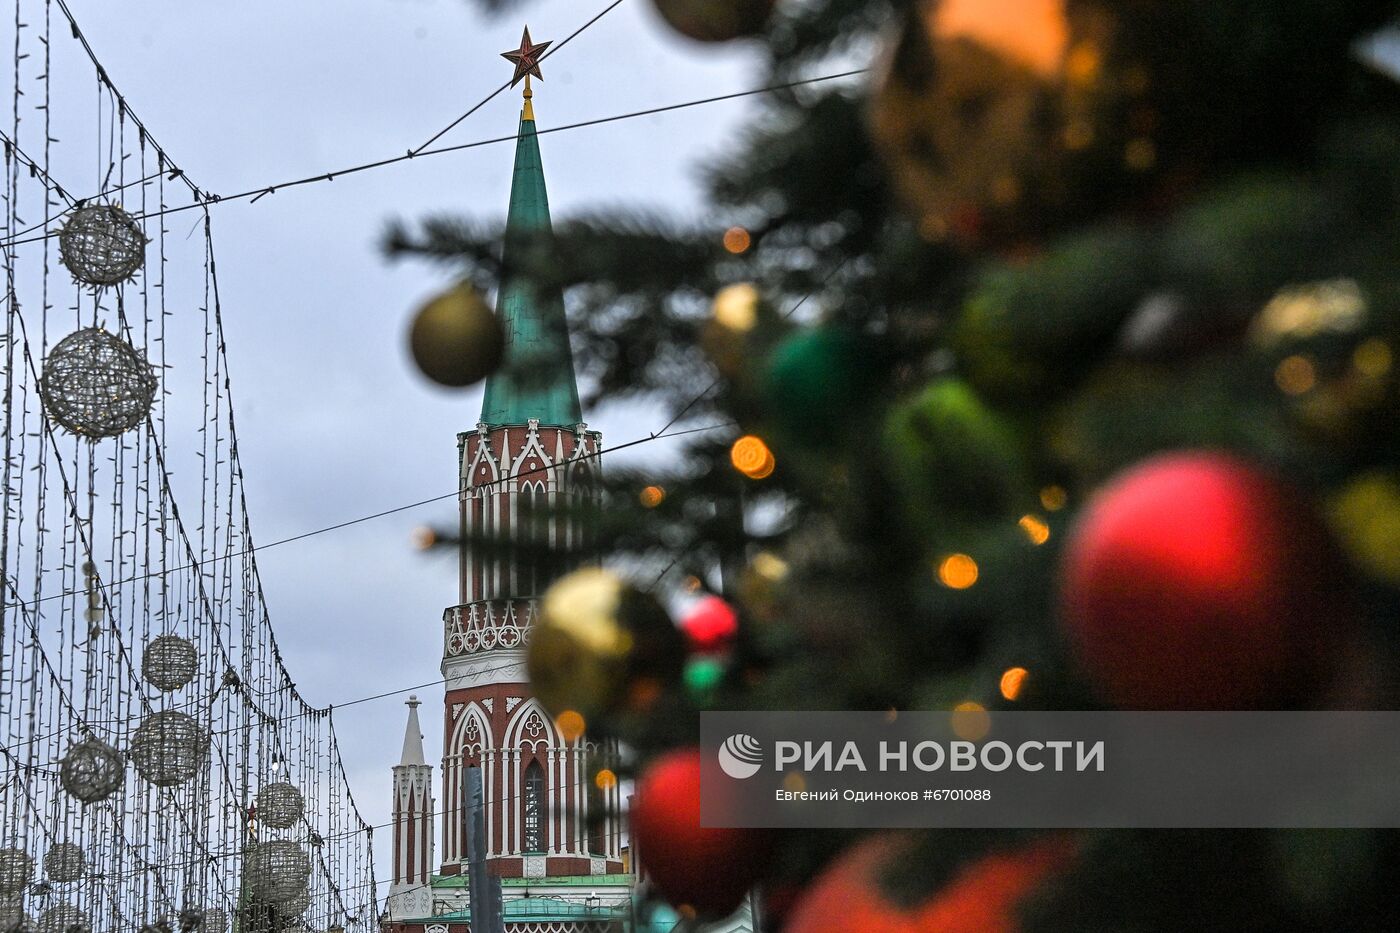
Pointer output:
x,y
526,58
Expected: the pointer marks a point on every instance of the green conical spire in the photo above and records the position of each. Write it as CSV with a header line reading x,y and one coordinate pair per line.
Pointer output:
x,y
537,378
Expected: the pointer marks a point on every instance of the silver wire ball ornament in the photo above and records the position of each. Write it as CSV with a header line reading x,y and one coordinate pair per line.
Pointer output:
x,y
16,871
64,918
102,245
168,748
296,906
277,872
280,805
92,771
169,663
65,861
96,384
12,915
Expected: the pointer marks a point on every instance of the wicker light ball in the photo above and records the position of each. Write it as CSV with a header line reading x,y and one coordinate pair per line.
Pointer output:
x,y
295,906
64,918
16,871
280,805
96,384
278,871
65,861
168,748
92,771
102,245
169,662
11,912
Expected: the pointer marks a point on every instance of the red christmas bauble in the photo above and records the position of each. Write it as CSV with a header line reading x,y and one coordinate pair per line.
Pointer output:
x,y
708,869
983,897
710,625
1197,581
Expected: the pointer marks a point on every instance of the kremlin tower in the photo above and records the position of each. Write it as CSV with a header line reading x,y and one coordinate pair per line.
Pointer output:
x,y
526,473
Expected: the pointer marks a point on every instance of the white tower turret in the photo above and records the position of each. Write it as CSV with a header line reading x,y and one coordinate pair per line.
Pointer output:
x,y
414,807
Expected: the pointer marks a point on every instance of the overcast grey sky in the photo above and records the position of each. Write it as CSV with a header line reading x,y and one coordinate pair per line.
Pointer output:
x,y
333,421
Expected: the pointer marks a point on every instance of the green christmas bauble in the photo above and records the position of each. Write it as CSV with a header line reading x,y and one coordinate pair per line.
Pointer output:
x,y
954,460
817,376
455,339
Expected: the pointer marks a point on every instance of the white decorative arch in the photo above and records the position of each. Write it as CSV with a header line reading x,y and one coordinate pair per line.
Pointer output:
x,y
532,727
472,732
534,448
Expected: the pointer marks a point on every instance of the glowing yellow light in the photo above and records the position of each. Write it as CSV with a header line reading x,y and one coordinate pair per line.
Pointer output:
x,y
424,538
752,457
605,779
957,571
1082,65
1035,528
736,307
1012,680
794,782
692,584
971,721
652,496
737,240
1053,498
769,566
571,724
1372,358
1295,375
1141,154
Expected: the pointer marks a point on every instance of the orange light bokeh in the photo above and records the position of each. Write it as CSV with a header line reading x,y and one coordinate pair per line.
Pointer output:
x,y
1035,528
1054,498
652,496
971,721
737,240
1295,375
1012,680
571,724
752,457
605,779
1033,32
957,571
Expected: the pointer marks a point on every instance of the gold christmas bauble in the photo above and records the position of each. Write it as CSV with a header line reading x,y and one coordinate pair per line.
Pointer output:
x,y
596,636
991,113
455,339
715,20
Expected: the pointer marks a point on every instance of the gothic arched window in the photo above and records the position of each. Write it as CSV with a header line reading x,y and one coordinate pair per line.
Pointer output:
x,y
533,539
534,807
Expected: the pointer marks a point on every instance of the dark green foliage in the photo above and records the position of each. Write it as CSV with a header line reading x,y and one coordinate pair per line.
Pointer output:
x,y
1134,329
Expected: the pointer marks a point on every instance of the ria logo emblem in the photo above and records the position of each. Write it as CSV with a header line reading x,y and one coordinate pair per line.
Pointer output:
x,y
740,756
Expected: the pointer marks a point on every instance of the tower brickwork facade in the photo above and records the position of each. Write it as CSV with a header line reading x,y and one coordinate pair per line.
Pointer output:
x,y
528,476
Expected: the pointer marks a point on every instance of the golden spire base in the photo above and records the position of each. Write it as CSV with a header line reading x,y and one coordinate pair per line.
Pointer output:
x,y
528,113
